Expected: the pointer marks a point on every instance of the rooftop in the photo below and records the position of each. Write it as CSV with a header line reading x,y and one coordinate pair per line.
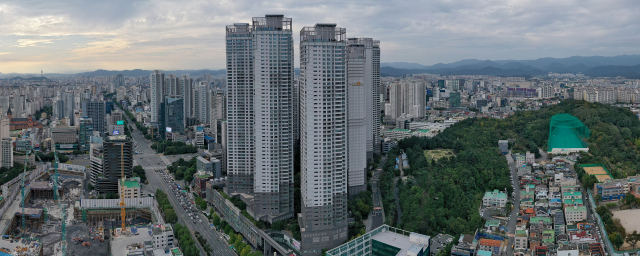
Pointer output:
x,y
130,183
495,194
576,209
396,240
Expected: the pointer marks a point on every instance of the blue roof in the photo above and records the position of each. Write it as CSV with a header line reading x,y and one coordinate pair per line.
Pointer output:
x,y
4,254
208,138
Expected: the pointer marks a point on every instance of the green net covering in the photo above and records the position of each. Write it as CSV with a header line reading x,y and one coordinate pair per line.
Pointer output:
x,y
566,131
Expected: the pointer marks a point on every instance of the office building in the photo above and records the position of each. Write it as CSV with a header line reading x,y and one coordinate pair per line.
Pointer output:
x,y
109,158
201,102
65,138
85,130
97,112
323,137
156,82
115,116
6,152
173,115
259,114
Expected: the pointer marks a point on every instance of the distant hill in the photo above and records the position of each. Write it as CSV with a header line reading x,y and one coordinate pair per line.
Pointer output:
x,y
141,72
16,78
595,66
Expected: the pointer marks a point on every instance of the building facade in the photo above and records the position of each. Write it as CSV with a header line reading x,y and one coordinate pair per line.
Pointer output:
x,y
85,131
156,82
259,114
6,152
97,112
323,137
109,159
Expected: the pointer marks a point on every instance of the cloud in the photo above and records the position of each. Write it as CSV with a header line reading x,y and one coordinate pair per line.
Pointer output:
x,y
174,34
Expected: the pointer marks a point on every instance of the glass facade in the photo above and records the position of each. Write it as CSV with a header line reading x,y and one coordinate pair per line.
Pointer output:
x,y
382,249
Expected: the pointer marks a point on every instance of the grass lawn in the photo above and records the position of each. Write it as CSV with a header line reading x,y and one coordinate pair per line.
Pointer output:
x,y
437,153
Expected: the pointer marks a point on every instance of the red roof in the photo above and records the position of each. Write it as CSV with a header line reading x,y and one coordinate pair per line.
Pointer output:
x,y
490,242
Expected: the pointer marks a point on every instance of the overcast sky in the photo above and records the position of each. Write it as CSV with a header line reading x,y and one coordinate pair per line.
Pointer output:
x,y
75,35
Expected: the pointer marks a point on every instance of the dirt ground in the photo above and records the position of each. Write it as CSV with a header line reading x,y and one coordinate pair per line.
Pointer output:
x,y
437,153
96,248
630,221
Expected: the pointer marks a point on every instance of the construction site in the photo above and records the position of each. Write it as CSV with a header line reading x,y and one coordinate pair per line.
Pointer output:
x,y
49,213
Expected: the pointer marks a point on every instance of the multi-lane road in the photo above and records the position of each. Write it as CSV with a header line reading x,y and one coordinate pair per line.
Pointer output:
x,y
151,162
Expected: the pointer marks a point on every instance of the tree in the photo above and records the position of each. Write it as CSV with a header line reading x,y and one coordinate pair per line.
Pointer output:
x,y
170,216
216,219
633,238
616,239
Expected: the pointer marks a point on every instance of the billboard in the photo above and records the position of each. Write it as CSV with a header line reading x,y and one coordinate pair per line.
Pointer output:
x,y
295,244
116,132
168,129
121,122
200,129
66,145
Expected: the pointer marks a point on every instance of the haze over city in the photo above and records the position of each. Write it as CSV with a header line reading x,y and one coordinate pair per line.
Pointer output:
x,y
74,36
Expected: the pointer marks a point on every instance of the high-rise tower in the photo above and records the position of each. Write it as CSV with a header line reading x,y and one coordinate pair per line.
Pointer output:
x,y
323,137
156,82
259,115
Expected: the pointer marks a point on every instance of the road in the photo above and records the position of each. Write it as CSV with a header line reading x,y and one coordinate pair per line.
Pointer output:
x,y
150,162
377,218
511,225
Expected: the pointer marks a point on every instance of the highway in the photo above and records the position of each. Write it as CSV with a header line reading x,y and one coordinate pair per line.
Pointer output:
x,y
150,162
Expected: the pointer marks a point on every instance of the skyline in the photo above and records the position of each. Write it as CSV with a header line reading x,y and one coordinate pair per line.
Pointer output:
x,y
67,37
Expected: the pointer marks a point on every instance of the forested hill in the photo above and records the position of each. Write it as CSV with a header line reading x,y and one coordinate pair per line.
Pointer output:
x,y
444,195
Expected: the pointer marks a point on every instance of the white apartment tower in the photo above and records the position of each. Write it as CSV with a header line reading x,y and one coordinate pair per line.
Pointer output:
x,y
201,102
156,82
187,95
323,137
359,93
260,115
371,78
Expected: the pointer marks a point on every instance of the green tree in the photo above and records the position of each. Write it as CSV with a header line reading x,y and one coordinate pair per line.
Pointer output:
x,y
616,240
170,216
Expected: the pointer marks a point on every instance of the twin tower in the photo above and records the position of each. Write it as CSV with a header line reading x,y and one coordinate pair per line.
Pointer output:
x,y
332,112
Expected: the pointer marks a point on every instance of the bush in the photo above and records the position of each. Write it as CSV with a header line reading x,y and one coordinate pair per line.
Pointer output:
x,y
611,205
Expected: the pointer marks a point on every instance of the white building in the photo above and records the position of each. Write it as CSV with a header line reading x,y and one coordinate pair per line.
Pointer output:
x,y
130,188
201,102
163,237
358,97
260,114
323,137
186,86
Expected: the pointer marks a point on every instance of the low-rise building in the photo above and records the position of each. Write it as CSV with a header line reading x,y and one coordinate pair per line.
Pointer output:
x,y
521,239
385,239
490,245
466,246
495,198
131,188
163,237
575,214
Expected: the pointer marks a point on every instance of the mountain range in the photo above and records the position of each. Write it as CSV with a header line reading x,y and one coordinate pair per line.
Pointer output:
x,y
594,66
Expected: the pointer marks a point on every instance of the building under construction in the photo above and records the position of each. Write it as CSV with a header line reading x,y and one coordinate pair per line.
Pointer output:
x,y
42,190
34,218
106,212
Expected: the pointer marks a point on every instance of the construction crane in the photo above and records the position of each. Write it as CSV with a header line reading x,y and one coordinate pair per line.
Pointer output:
x,y
123,214
24,173
56,198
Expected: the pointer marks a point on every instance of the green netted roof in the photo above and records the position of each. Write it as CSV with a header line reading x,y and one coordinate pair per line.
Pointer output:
x,y
566,131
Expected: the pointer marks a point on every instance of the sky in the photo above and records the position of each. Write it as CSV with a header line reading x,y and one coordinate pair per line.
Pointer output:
x,y
64,36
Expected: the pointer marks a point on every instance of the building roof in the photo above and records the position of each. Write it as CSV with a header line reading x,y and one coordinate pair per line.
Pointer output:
x,y
400,130
495,194
576,209
572,193
130,183
489,242
483,253
115,203
396,240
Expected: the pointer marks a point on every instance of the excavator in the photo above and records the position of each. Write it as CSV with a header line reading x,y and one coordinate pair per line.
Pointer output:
x,y
86,244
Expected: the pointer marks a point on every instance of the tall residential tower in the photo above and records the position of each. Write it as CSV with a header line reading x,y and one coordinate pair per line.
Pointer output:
x,y
323,137
260,115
